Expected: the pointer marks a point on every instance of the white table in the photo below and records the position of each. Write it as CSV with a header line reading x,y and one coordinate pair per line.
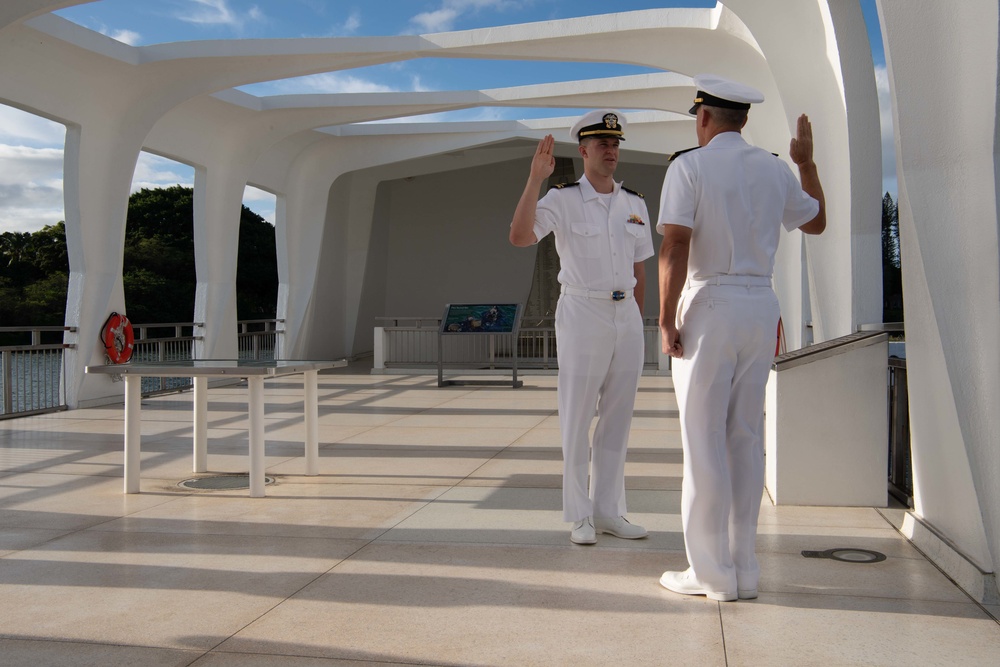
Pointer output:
x,y
255,372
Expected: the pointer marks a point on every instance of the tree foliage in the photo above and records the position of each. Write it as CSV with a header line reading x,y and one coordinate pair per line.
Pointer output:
x,y
892,275
159,270
34,274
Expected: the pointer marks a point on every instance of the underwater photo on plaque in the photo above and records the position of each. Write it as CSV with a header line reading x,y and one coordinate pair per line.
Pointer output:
x,y
480,318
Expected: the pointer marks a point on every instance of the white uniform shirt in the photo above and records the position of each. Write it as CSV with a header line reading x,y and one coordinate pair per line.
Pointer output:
x,y
598,242
713,189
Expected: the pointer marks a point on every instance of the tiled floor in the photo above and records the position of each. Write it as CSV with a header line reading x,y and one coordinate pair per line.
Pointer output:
x,y
432,536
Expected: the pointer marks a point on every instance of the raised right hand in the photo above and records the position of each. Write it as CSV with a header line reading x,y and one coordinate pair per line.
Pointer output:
x,y
543,164
801,148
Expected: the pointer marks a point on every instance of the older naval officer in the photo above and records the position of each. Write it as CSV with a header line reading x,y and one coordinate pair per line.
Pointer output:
x,y
602,235
721,212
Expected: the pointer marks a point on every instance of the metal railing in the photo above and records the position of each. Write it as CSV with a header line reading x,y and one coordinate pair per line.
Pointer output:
x,y
258,339
412,342
31,370
31,373
164,349
900,469
30,379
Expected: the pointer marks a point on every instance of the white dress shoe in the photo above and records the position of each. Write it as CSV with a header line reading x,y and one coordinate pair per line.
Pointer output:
x,y
583,532
747,593
619,527
685,584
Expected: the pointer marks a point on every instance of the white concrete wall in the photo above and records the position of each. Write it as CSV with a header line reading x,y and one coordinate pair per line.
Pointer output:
x,y
827,428
942,66
448,241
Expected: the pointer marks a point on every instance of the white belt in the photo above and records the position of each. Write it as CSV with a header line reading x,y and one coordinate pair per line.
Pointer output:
x,y
613,295
745,281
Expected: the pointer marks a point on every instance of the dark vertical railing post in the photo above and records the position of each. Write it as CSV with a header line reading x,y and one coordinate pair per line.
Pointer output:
x,y
900,468
8,389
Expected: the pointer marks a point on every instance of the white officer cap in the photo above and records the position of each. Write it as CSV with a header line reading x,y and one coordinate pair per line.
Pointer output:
x,y
599,123
716,91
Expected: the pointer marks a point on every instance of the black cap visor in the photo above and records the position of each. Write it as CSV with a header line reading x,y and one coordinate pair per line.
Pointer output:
x,y
713,101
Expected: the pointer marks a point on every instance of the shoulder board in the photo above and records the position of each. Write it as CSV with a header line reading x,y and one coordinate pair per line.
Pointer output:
x,y
561,186
679,153
633,192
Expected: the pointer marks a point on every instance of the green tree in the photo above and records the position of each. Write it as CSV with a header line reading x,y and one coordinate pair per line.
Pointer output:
x,y
892,275
34,276
257,270
48,248
160,278
158,267
44,300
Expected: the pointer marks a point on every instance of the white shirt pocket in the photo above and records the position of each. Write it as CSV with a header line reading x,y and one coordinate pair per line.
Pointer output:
x,y
585,240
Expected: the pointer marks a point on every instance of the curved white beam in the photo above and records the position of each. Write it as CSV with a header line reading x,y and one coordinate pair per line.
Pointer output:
x,y
18,11
946,158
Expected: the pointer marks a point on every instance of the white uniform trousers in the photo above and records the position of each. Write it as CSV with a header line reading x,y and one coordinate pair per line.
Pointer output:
x,y
600,350
728,334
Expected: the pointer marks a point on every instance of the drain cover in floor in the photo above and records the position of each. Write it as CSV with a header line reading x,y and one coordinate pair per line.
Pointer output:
x,y
218,482
848,555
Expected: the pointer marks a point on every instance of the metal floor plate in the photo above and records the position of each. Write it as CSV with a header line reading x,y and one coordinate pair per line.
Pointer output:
x,y
219,482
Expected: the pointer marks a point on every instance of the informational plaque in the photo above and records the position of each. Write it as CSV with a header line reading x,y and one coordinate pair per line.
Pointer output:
x,y
500,318
497,321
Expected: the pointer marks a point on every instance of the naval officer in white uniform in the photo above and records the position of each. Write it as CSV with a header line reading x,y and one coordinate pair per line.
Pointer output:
x,y
602,235
721,212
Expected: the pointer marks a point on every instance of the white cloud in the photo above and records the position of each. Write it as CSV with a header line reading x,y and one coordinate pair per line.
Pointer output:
x,y
31,193
349,26
23,164
129,37
441,20
444,18
153,171
31,184
28,208
328,82
460,116
889,182
260,202
218,13
22,128
417,86
31,171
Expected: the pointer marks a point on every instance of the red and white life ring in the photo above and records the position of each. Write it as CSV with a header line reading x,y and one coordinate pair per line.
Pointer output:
x,y
118,338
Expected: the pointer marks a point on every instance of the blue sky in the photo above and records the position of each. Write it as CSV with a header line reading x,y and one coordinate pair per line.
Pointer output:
x,y
31,148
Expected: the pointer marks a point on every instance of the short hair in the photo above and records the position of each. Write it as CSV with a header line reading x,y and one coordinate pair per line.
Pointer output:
x,y
728,117
595,137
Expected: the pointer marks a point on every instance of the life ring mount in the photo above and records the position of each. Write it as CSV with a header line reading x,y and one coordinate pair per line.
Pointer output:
x,y
118,338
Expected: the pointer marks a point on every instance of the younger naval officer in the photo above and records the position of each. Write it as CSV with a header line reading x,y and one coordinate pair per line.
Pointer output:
x,y
602,235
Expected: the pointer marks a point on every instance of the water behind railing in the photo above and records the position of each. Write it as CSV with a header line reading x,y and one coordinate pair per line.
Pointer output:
x,y
31,374
30,379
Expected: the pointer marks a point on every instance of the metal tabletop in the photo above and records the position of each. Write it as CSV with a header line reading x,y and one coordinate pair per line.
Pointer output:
x,y
216,367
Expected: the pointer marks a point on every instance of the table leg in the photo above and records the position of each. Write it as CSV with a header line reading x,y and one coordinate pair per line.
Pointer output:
x,y
133,431
200,424
255,412
311,408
